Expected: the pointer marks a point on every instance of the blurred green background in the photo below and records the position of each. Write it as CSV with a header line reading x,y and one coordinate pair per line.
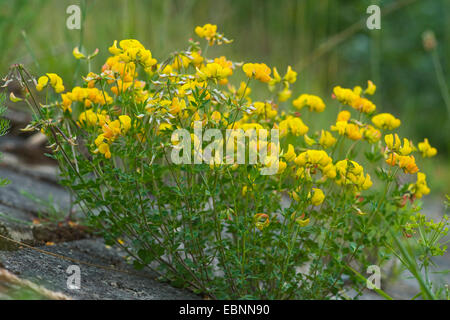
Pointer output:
x,y
326,41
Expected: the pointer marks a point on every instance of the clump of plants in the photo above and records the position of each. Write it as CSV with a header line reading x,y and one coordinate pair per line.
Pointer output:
x,y
341,195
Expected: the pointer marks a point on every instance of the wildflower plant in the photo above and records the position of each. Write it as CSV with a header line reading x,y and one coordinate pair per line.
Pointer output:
x,y
4,128
221,227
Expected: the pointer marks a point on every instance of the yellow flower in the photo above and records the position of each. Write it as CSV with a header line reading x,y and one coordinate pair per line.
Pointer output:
x,y
426,149
87,96
300,220
343,116
89,117
344,95
243,86
294,125
352,98
114,49
340,127
197,59
163,127
363,105
386,121
371,87
290,153
111,129
42,83
208,31
314,103
216,116
311,158
258,71
125,123
55,81
226,65
371,134
406,149
177,106
180,61
357,90
352,131
77,54
104,149
295,194
276,79
265,110
408,164
326,139
317,197
103,146
392,142
281,166
131,50
392,159
329,171
309,141
291,75
284,95
214,71
351,173
420,188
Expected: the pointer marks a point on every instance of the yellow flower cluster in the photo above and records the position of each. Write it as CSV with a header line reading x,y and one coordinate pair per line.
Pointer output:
x,y
289,78
314,103
258,71
427,150
183,90
293,125
350,173
407,163
215,71
312,160
132,50
420,188
111,130
398,154
55,81
87,96
370,134
386,121
326,139
317,197
208,31
91,118
353,98
350,130
264,109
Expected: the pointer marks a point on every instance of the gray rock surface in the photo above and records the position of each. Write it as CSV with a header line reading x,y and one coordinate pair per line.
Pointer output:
x,y
96,282
102,281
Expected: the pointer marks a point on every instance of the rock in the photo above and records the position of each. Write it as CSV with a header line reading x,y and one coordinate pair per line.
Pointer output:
x,y
104,272
48,193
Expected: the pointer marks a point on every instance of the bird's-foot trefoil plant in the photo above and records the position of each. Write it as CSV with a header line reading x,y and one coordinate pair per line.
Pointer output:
x,y
219,226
